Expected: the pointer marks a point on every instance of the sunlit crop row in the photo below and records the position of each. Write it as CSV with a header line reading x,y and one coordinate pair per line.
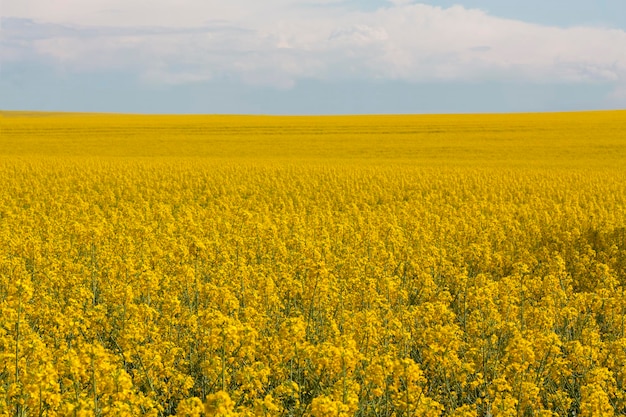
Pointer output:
x,y
229,285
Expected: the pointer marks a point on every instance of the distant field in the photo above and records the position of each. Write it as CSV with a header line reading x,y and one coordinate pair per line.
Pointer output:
x,y
457,265
553,139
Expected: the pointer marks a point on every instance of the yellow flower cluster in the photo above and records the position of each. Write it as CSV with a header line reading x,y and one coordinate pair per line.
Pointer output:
x,y
252,273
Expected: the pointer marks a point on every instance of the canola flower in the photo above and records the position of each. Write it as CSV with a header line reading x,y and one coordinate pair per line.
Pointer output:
x,y
341,266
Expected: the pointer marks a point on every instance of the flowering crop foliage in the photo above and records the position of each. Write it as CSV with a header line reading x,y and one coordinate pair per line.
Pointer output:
x,y
346,266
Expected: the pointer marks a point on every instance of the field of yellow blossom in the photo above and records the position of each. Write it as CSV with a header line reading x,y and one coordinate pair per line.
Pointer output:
x,y
444,265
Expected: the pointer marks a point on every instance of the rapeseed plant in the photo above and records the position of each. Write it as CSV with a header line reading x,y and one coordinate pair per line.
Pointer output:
x,y
345,266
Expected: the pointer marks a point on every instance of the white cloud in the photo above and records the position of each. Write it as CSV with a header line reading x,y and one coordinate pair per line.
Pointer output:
x,y
171,13
278,42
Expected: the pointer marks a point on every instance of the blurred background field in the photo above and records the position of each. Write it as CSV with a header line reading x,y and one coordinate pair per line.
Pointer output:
x,y
587,139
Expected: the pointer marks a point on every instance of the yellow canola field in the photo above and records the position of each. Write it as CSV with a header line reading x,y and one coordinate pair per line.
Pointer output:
x,y
460,265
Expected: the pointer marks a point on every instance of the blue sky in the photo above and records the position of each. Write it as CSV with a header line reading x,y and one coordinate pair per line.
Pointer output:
x,y
313,56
